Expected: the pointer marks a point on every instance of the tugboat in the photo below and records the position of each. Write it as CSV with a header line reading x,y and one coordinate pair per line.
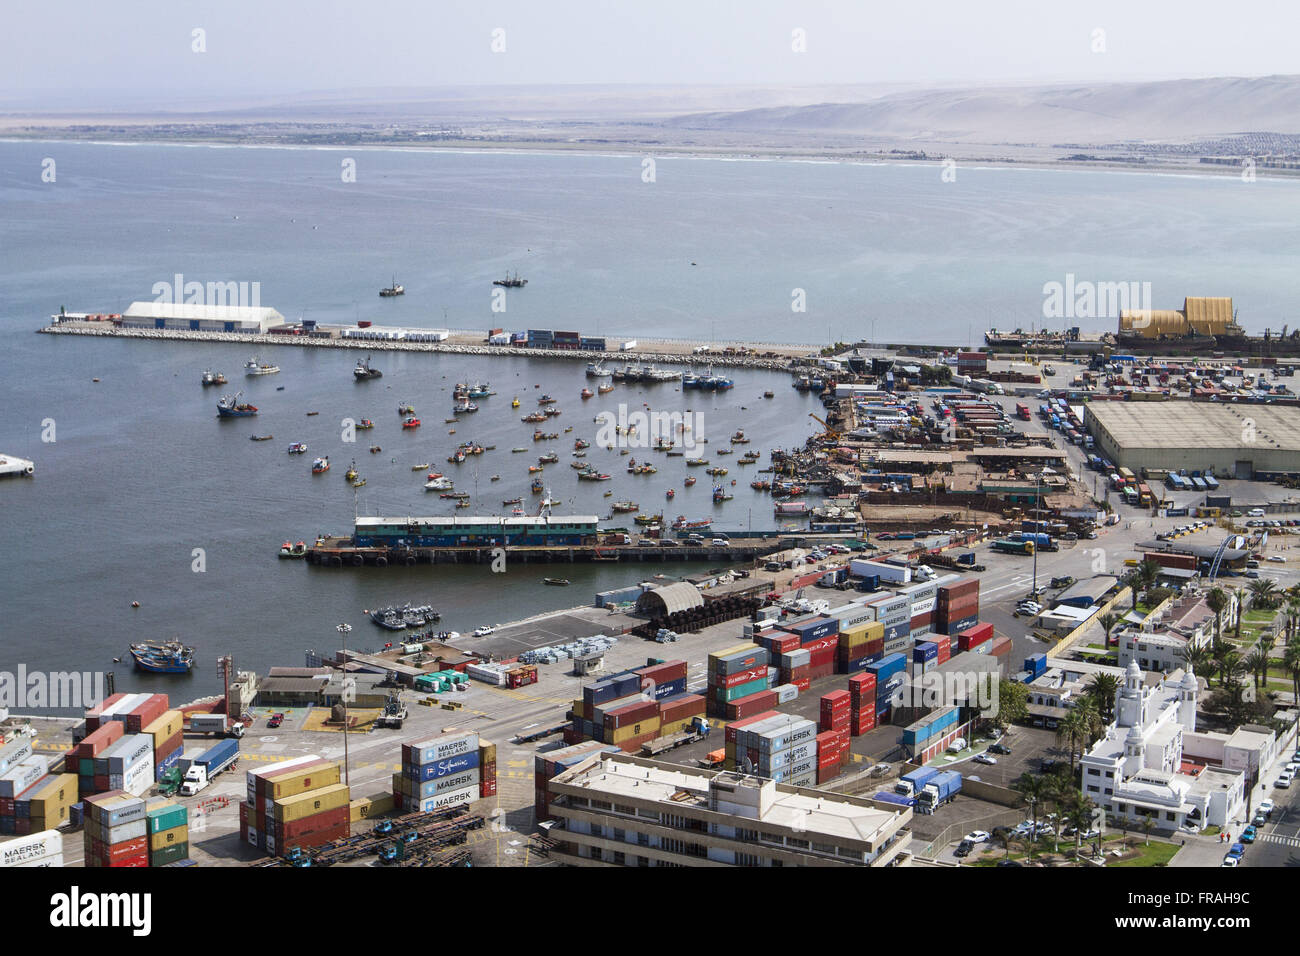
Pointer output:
x,y
604,389
298,550
536,487
172,657
392,290
363,370
231,407
253,367
511,282
320,465
213,378
514,402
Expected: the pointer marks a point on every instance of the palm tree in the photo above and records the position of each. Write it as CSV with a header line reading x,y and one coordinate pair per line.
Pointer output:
x,y
1217,600
1148,572
1108,622
1073,729
1102,689
1257,664
1230,665
1079,813
1090,716
1240,594
1196,657
1263,593
1291,661
1036,790
1147,826
1132,581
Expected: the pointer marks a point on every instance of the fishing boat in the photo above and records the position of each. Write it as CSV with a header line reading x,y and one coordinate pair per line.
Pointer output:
x,y
320,465
465,406
406,408
458,495
676,453
420,467
172,657
514,402
231,407
648,519
298,448
375,449
457,457
670,494
516,451
726,451
721,494
662,444
551,411
623,507
358,482
681,524
351,473
696,462
310,414
365,424
586,393
534,469
604,389
363,371
411,423
769,395
608,493
512,501
739,438
549,458
579,444
390,291
580,465
556,582
540,435
690,481
298,550
596,370
261,437
536,487
438,483
479,390
546,400
717,470
511,282
534,417
593,475
253,367
213,378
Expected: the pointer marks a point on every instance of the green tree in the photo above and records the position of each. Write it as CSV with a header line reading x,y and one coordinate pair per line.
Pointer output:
x,y
1073,730
1147,826
1263,594
1108,622
1197,657
1102,689
1217,601
1037,791
1257,663
1148,572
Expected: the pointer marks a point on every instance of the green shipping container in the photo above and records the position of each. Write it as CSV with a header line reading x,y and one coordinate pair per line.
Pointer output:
x,y
164,818
744,690
85,766
177,851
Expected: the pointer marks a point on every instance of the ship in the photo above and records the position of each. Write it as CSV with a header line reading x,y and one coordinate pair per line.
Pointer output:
x,y
681,524
596,370
480,391
320,465
536,487
708,381
392,290
363,371
465,406
253,367
648,519
298,550
604,389
231,407
411,423
623,507
213,378
511,281
298,448
591,474
439,483
172,657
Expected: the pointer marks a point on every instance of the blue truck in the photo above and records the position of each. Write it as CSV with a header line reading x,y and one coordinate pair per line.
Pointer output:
x,y
208,764
941,788
1041,540
911,784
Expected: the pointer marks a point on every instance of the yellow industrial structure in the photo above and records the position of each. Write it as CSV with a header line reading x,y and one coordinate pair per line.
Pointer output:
x,y
1200,316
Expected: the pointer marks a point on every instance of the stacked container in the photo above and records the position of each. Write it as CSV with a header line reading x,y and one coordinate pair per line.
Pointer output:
x,y
859,645
925,657
738,682
167,824
894,611
944,644
887,672
438,772
922,600
832,751
126,765
554,763
45,805
115,833
795,667
862,703
81,759
835,711
957,606
168,744
977,639
782,748
678,713
1036,665
1001,647
487,769
733,732
819,636
295,803
44,848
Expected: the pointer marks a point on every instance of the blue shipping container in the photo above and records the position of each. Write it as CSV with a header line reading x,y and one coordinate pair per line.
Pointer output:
x,y
440,768
670,689
813,630
925,651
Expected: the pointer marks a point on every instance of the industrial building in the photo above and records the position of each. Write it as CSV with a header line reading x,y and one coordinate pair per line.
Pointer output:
x,y
1200,315
199,318
618,810
1234,441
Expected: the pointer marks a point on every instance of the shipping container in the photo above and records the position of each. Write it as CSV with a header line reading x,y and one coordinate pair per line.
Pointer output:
x,y
314,801
449,744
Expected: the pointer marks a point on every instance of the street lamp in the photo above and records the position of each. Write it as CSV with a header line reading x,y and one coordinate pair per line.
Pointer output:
x,y
344,630
1038,521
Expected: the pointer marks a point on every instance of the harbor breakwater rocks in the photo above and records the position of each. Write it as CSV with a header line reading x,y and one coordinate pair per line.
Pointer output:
x,y
380,345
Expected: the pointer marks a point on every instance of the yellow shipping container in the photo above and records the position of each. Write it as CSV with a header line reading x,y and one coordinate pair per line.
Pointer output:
x,y
165,838
579,709
166,727
730,749
311,803
55,797
860,634
675,727
648,726
372,806
487,753
304,781
747,646
401,784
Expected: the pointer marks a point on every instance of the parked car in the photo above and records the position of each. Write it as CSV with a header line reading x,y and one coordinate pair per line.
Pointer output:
x,y
985,758
1277,558
484,631
1283,782
1260,819
976,836
963,848
1266,806
999,749
276,720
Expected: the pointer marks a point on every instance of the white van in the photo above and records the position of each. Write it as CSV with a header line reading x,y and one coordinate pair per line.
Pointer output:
x,y
1255,513
957,745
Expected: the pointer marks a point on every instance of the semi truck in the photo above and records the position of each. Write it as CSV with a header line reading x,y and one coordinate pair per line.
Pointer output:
x,y
1006,546
911,784
218,724
1042,540
698,730
941,788
208,765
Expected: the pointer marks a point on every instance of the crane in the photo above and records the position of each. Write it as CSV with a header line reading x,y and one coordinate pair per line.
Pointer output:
x,y
831,434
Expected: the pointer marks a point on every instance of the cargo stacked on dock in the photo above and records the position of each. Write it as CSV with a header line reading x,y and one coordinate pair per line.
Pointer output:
x,y
862,703
820,637
832,752
296,803
635,707
859,645
116,831
739,682
128,742
555,762
781,747
792,661
439,772
81,759
890,674
44,848
977,639
487,769
957,606
168,829
922,598
835,711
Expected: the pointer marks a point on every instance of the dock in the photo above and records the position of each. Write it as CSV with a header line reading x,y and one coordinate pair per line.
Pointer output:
x,y
338,552
11,466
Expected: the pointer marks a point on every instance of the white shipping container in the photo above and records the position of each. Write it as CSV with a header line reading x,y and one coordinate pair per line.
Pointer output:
x,y
29,850
440,748
444,800
493,674
630,344
138,778
22,776
54,861
786,693
124,832
14,753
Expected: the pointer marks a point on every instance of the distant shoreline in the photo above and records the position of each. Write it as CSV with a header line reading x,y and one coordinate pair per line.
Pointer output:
x,y
1189,169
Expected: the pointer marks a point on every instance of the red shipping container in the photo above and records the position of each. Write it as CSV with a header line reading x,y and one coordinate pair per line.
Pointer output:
x,y
835,700
572,736
803,683
735,680
862,684
957,609
487,788
824,656
959,589
974,635
341,832
138,860
922,620
827,772
317,821
942,641
861,724
631,714
663,673
730,734
748,706
782,643
821,644
679,708
110,733
943,657
876,646
1001,646
100,782
145,714
822,670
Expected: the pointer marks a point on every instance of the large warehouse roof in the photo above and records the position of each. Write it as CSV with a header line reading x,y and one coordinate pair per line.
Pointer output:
x,y
1201,425
217,313
670,598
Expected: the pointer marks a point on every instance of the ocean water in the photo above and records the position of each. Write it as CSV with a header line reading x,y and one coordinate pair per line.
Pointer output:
x,y
141,473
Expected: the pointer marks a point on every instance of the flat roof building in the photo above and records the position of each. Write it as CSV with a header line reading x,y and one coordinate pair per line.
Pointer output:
x,y
1232,440
200,318
619,810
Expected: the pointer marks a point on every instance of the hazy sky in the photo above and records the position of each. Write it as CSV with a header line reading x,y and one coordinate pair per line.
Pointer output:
x,y
73,49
